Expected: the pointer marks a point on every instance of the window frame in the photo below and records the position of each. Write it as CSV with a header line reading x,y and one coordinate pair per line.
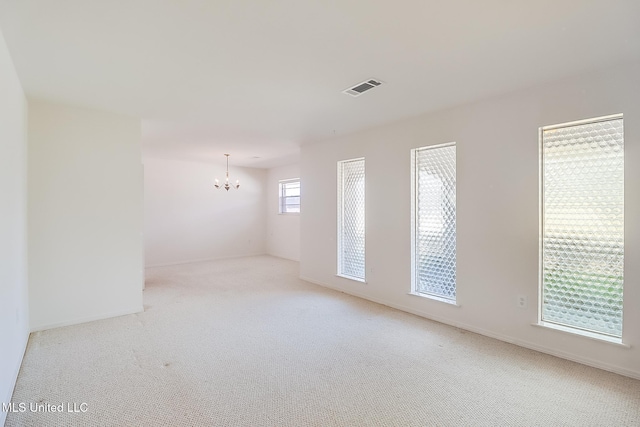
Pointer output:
x,y
282,186
340,219
574,330
414,225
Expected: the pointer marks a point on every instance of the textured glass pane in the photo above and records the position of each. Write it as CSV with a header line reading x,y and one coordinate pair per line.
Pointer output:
x,y
435,216
583,226
351,247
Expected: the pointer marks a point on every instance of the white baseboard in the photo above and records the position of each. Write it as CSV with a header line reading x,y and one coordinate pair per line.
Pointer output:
x,y
79,320
501,337
192,261
14,379
282,257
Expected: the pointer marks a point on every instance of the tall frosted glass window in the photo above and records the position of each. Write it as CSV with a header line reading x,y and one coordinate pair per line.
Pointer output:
x,y
434,221
582,205
351,229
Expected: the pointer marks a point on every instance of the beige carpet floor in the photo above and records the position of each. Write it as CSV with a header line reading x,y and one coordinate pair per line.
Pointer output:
x,y
244,342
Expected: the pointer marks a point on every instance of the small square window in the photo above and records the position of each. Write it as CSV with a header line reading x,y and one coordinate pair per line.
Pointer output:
x,y
289,196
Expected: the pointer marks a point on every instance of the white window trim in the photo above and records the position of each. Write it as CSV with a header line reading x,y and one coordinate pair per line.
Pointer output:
x,y
580,332
547,324
280,183
355,279
339,222
414,196
434,298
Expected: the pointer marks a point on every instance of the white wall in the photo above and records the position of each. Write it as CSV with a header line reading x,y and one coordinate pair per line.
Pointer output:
x,y
283,231
186,219
85,215
497,211
14,315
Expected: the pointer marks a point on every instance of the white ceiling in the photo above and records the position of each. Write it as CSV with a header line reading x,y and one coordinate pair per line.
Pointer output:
x,y
259,78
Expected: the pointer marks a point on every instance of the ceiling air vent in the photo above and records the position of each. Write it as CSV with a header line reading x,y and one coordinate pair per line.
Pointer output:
x,y
361,88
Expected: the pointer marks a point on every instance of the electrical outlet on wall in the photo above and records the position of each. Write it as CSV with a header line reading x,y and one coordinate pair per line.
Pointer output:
x,y
522,301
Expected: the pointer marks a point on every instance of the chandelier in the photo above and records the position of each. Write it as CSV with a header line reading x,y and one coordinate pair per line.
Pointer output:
x,y
226,185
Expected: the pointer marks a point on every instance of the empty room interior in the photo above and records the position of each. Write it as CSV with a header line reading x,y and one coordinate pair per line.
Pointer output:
x,y
263,213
